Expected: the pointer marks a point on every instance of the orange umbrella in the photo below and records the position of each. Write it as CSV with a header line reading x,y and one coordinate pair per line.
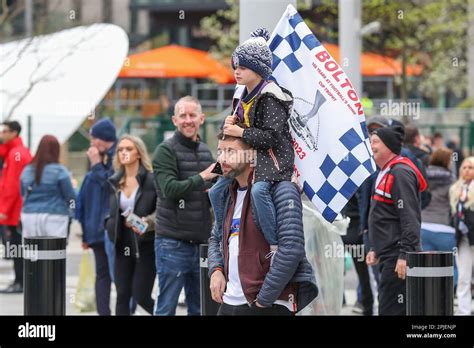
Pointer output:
x,y
176,61
375,64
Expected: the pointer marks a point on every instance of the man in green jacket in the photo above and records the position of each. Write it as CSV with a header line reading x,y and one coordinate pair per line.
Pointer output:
x,y
183,172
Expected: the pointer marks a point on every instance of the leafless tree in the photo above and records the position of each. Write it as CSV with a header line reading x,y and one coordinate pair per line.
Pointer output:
x,y
40,75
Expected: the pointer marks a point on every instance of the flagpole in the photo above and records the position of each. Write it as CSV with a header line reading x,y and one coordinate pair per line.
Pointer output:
x,y
350,41
234,113
259,14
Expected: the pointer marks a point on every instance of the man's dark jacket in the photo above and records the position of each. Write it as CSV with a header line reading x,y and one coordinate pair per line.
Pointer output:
x,y
263,282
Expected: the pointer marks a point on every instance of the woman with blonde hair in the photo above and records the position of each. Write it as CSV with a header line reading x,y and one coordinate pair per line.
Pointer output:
x,y
462,207
134,194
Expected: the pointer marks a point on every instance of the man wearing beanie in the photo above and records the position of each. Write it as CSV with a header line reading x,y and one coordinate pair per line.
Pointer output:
x,y
394,218
93,206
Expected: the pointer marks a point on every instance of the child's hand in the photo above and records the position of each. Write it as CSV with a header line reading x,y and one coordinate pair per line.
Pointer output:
x,y
233,130
231,119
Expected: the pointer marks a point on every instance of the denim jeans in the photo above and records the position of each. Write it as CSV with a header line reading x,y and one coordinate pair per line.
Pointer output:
x,y
264,210
177,265
217,198
262,206
439,241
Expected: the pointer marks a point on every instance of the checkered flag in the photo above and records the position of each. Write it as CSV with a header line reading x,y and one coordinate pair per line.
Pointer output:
x,y
332,148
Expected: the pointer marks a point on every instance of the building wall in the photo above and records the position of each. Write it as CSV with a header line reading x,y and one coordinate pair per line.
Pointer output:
x,y
121,14
60,5
92,11
143,22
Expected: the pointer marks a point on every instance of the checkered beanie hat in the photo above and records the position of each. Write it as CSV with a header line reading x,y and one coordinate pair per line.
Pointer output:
x,y
255,54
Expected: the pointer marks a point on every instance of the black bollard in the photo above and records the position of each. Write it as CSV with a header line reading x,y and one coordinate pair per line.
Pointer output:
x,y
44,276
430,283
208,305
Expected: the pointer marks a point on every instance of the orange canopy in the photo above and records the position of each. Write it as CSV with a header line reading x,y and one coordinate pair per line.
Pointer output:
x,y
176,61
375,64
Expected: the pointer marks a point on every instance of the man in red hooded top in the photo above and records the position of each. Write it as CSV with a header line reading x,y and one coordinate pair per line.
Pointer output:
x,y
15,157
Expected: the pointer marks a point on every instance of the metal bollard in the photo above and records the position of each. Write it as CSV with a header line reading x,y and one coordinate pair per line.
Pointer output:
x,y
430,283
208,305
44,276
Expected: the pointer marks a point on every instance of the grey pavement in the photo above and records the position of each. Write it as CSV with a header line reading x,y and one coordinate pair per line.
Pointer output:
x,y
13,304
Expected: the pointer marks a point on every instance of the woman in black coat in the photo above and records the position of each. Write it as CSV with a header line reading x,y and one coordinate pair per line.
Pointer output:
x,y
134,192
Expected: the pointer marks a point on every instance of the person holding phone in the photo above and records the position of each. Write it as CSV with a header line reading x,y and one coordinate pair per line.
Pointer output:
x,y
134,196
182,166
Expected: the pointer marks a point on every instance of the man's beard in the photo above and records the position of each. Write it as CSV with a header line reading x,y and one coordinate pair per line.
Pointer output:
x,y
236,171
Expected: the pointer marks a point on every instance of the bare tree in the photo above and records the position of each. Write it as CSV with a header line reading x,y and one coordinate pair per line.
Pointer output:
x,y
39,74
8,13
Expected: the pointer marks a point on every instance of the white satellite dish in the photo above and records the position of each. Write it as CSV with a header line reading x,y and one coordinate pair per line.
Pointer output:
x,y
59,79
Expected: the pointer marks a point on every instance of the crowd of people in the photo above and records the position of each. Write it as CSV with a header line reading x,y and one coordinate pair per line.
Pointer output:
x,y
417,200
420,198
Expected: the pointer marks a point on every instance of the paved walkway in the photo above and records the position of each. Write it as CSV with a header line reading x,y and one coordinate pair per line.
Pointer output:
x,y
13,304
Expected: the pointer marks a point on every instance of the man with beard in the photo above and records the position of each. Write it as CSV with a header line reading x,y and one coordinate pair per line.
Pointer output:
x,y
245,279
